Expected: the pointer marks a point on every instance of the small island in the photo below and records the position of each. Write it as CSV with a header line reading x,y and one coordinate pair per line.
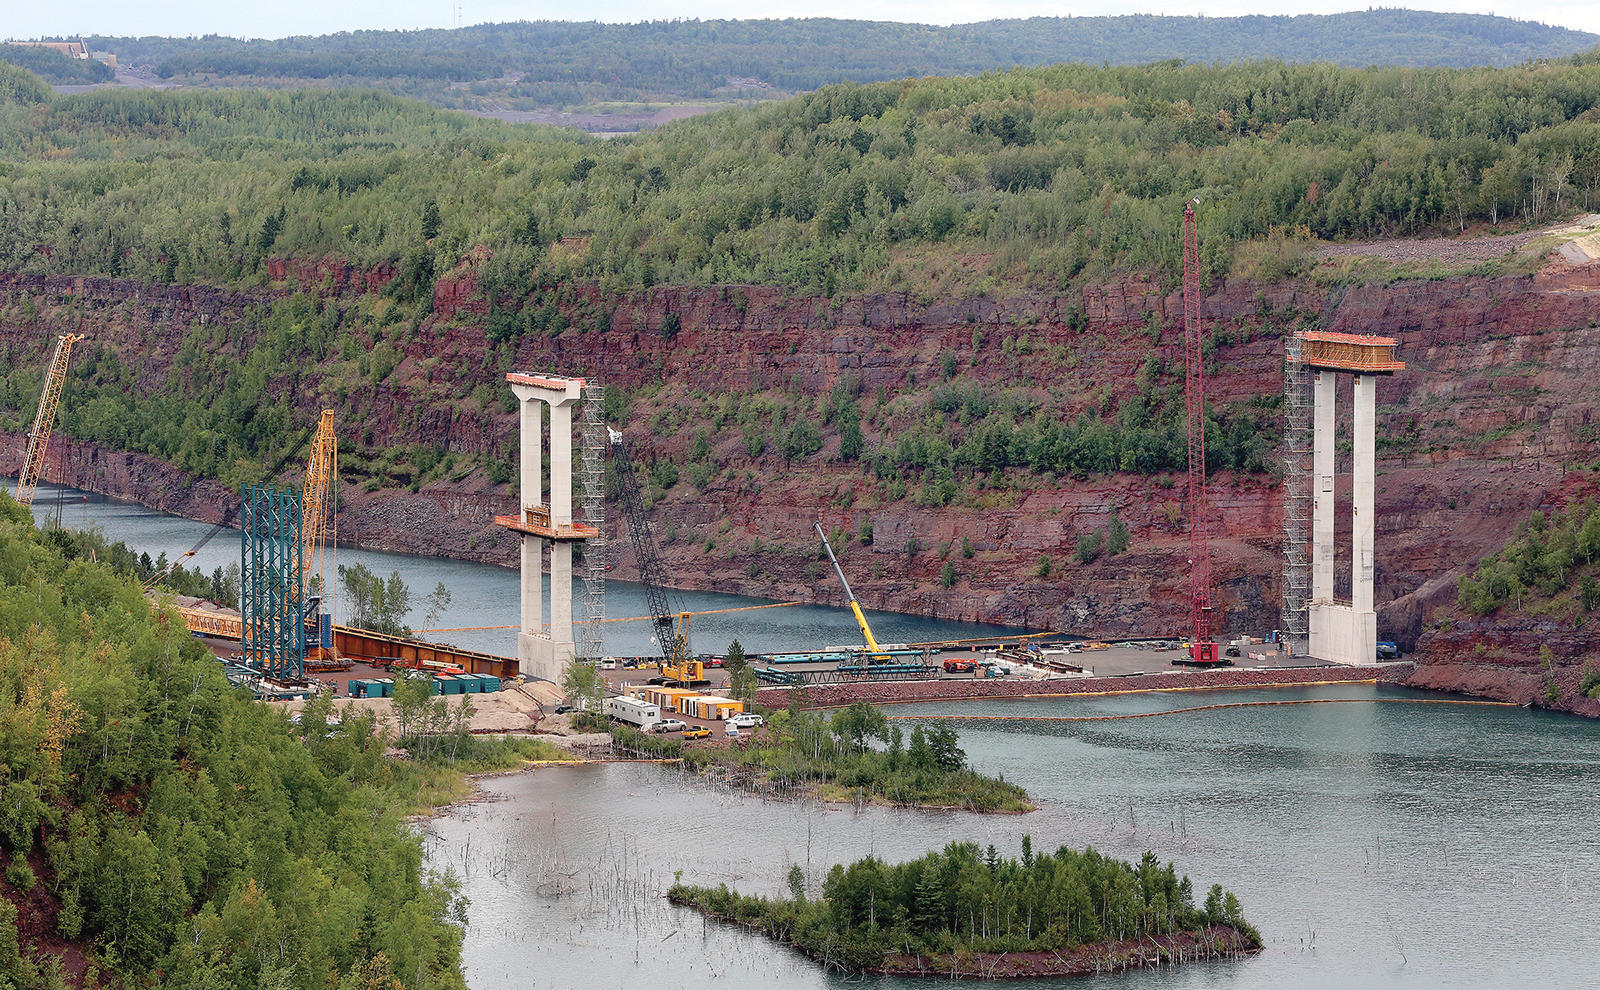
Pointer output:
x,y
801,753
971,913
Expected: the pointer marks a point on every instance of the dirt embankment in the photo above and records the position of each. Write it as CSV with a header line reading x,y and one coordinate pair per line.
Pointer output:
x,y
1496,401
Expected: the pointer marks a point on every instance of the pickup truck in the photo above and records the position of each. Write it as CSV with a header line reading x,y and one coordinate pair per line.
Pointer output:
x,y
671,725
696,733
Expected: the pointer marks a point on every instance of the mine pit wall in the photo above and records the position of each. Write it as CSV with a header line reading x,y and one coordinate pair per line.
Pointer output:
x,y
1497,399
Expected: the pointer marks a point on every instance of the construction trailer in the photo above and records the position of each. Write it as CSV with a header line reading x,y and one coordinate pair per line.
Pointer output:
x,y
631,711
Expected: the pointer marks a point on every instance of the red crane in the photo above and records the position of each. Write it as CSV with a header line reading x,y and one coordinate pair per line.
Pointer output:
x,y
1202,650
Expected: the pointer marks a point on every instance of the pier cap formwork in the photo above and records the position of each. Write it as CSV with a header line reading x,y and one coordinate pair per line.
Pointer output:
x,y
1357,353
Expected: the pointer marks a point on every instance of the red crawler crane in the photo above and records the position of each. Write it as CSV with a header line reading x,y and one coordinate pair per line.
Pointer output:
x,y
1202,650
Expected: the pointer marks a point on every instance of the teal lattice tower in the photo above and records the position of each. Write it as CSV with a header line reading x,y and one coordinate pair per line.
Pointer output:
x,y
270,595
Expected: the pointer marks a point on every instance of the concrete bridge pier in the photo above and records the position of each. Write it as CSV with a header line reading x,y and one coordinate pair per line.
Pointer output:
x,y
544,651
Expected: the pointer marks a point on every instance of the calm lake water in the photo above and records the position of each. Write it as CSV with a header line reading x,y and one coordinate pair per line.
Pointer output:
x,y
1375,844
488,596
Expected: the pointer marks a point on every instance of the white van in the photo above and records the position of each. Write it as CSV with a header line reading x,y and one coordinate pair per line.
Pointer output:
x,y
745,720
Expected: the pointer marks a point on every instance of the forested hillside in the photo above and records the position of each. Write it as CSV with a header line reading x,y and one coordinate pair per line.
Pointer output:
x,y
159,829
565,64
1047,173
52,66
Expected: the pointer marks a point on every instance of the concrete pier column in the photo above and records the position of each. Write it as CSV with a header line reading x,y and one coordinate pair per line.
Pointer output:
x,y
1323,439
1363,520
561,464
562,645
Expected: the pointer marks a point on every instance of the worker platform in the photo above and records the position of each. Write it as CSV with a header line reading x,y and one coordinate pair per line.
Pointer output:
x,y
535,521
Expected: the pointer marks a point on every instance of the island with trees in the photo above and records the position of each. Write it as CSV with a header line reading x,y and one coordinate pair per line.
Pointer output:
x,y
962,912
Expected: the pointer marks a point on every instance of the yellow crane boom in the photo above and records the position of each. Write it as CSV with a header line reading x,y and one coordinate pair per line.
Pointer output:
x,y
45,420
315,517
855,606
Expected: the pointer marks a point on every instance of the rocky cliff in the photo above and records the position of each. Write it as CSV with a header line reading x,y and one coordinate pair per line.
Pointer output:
x,y
1494,408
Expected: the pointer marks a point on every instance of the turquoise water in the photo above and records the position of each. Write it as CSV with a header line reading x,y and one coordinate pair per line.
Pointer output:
x,y
1374,844
488,596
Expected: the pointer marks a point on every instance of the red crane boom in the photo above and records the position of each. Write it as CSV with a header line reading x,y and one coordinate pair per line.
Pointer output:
x,y
1202,650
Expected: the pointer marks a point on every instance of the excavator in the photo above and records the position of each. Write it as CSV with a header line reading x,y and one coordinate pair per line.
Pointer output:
x,y
677,664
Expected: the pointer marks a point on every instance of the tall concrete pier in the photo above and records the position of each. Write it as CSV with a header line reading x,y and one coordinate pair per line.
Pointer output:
x,y
1344,631
544,650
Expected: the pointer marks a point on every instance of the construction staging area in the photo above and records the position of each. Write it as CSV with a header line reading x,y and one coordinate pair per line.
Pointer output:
x,y
285,642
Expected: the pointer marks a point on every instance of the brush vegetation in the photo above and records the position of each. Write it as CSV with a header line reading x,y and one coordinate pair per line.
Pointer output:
x,y
935,913
801,751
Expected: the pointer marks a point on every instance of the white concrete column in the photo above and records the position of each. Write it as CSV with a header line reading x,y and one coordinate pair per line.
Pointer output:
x,y
561,466
1324,437
561,641
1363,520
532,445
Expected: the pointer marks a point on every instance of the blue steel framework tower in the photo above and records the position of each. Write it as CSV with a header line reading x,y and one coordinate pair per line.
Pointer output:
x,y
270,595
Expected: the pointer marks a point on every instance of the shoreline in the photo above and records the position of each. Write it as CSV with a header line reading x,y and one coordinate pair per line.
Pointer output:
x,y
926,692
1098,958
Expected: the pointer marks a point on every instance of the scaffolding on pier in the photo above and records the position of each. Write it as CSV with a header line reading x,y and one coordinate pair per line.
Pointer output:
x,y
1297,438
271,602
592,474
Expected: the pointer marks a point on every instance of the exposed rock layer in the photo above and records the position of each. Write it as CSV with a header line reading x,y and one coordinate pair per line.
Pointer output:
x,y
1496,404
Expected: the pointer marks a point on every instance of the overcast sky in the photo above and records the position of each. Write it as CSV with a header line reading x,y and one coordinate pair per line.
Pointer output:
x,y
32,19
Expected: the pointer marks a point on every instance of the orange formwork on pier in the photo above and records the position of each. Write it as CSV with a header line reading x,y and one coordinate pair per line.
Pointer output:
x,y
1355,352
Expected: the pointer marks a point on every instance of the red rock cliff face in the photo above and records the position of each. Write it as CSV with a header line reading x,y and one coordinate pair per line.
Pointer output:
x,y
1497,400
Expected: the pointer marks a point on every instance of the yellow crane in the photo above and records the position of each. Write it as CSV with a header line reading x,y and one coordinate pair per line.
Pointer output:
x,y
45,420
874,651
315,503
316,514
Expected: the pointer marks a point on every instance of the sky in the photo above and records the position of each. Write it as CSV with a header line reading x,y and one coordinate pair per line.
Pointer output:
x,y
28,19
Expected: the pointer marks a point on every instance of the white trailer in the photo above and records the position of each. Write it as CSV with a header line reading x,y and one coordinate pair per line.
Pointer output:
x,y
641,715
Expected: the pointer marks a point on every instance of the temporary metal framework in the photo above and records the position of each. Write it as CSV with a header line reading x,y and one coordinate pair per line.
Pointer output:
x,y
1296,497
1203,650
44,420
270,594
592,473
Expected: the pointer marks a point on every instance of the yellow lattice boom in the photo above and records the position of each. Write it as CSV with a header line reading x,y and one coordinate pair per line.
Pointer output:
x,y
45,420
315,508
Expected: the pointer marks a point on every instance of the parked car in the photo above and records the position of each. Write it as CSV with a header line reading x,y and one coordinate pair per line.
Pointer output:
x,y
1232,651
745,720
671,725
696,733
563,708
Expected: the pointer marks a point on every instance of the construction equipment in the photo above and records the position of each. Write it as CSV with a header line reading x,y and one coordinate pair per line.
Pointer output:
x,y
1202,651
676,663
228,516
44,420
875,653
322,472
